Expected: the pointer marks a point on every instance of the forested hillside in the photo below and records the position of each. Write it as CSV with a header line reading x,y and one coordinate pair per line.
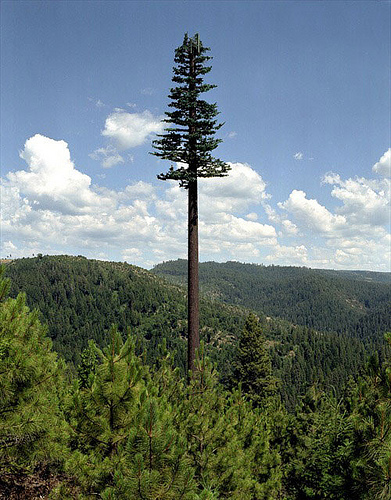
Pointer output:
x,y
79,299
354,303
121,428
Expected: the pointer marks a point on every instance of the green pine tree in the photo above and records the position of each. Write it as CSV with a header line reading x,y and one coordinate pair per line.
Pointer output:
x,y
125,444
228,442
32,385
253,367
88,364
317,450
370,417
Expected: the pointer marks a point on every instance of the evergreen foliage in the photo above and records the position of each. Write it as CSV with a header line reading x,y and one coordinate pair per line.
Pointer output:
x,y
79,299
127,430
317,454
340,448
32,379
124,441
146,434
370,415
228,441
253,368
354,303
88,364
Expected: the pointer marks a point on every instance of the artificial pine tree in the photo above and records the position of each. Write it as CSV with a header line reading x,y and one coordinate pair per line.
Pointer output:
x,y
189,141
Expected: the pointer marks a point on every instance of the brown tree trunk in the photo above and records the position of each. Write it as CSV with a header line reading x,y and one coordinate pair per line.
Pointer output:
x,y
192,276
193,310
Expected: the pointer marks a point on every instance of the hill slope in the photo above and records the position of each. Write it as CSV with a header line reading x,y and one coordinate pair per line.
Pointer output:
x,y
357,303
79,299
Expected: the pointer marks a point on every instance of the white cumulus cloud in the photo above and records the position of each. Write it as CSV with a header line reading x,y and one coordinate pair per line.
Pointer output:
x,y
365,201
109,156
296,255
236,192
311,213
383,166
287,226
354,235
128,130
50,206
51,180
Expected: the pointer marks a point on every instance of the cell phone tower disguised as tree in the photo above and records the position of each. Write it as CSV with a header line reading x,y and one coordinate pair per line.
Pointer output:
x,y
188,142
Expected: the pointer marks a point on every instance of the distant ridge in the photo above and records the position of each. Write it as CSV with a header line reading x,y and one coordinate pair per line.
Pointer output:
x,y
79,299
357,303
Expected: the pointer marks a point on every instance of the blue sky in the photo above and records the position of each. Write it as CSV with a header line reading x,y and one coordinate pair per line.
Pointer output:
x,y
303,89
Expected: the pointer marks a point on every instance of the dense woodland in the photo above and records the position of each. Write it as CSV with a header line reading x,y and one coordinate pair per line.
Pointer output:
x,y
275,410
356,303
79,299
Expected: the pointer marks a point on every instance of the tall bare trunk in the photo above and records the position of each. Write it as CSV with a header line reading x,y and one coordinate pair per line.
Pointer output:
x,y
193,309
